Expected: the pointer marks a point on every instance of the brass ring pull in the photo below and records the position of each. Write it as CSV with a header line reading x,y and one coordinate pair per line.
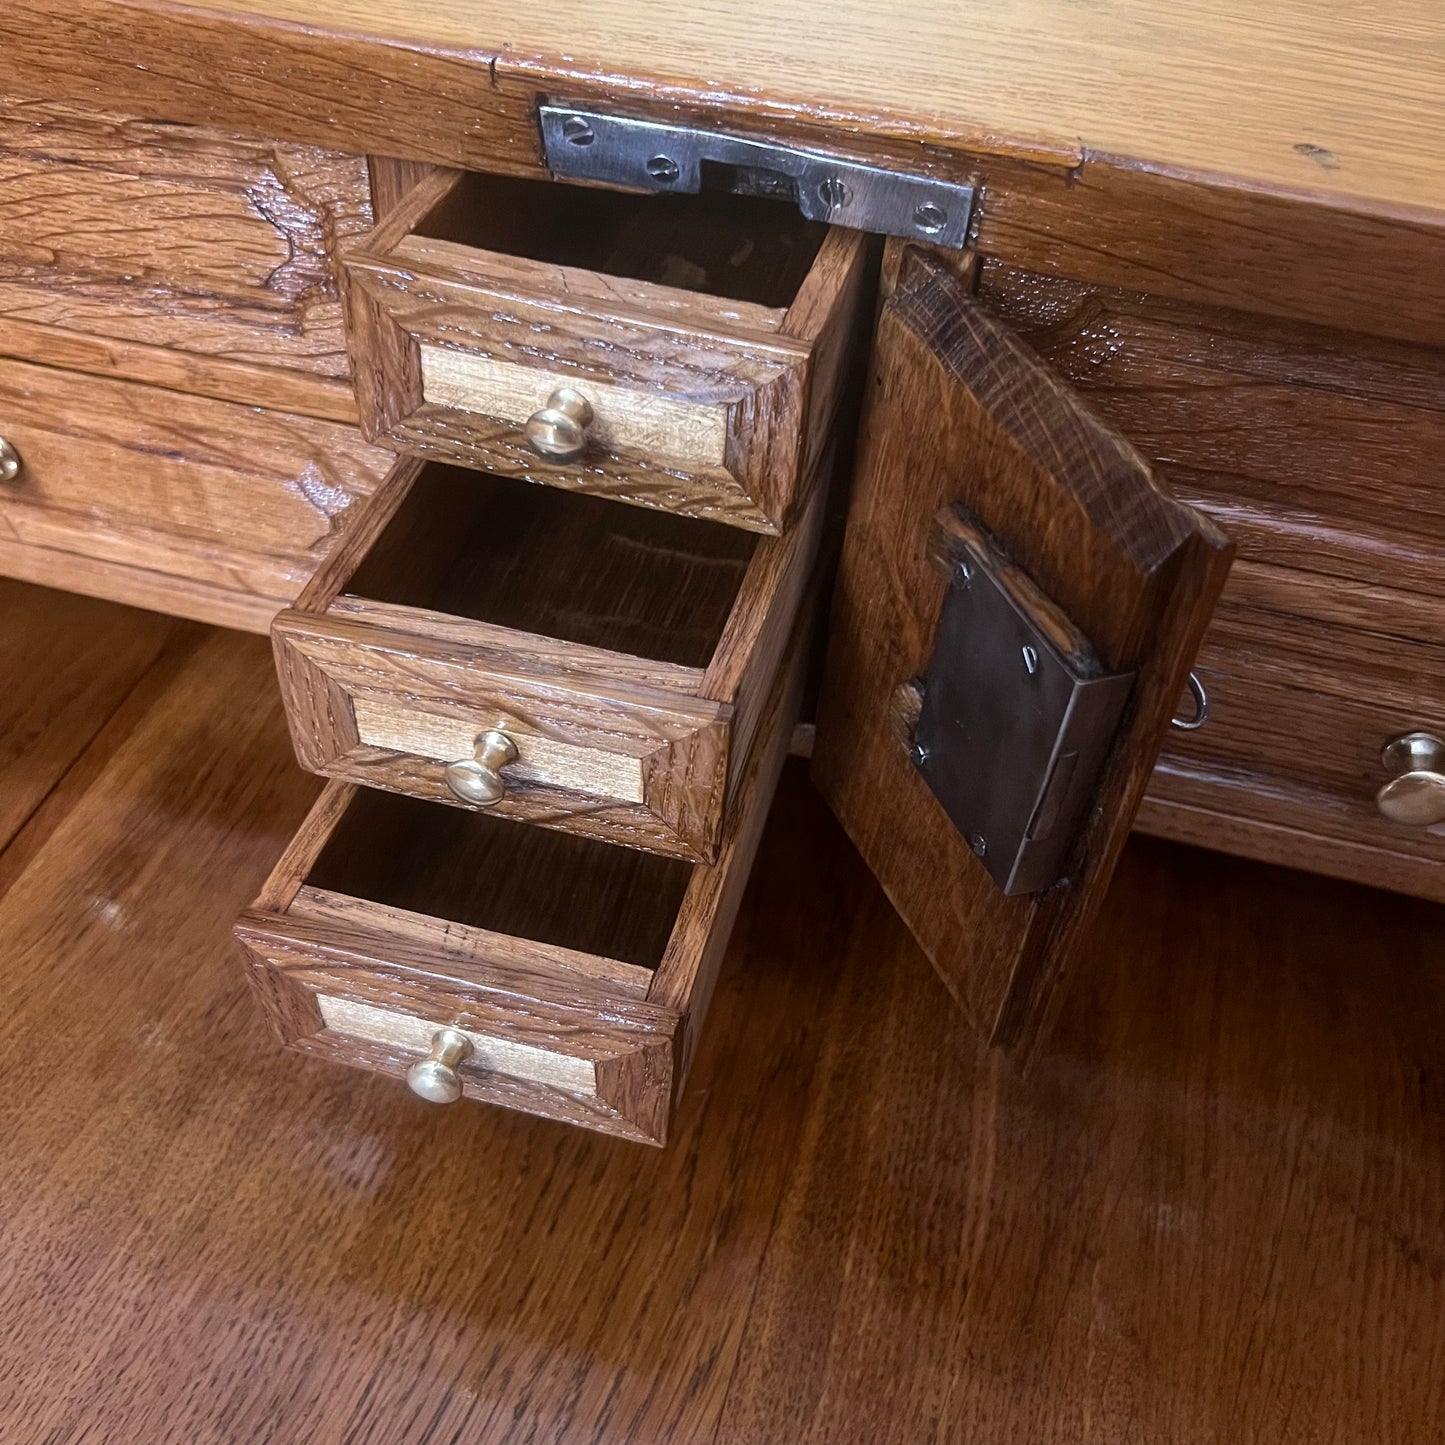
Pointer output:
x,y
9,461
478,780
435,1078
559,431
1201,707
1415,793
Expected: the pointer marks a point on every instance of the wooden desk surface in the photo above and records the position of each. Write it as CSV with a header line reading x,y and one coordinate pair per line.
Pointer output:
x,y
1214,1214
1313,97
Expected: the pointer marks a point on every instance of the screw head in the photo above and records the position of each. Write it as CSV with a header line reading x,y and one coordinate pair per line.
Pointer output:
x,y
577,130
962,575
663,168
979,844
1031,659
833,192
930,219
919,754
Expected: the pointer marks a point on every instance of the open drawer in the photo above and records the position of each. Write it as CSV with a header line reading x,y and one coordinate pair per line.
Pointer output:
x,y
559,660
679,352
517,966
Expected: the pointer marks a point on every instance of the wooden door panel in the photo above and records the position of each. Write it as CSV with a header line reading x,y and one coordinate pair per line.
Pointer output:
x,y
960,412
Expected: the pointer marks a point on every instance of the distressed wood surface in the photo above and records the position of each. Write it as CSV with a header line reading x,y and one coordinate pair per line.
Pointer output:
x,y
1316,447
629,654
1278,230
196,506
1211,1214
545,922
960,411
178,237
1288,764
703,404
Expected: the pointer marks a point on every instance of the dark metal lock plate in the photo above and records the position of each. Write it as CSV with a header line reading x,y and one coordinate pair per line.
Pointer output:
x,y
1016,714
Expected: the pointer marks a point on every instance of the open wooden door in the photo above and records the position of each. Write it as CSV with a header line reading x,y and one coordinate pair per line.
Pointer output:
x,y
1016,612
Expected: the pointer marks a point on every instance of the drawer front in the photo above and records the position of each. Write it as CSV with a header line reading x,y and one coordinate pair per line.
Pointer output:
x,y
638,743
178,237
191,505
1315,449
1288,766
573,975
694,403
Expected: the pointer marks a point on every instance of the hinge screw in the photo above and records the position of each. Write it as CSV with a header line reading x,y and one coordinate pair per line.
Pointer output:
x,y
833,193
979,844
1031,659
663,168
919,753
576,130
930,219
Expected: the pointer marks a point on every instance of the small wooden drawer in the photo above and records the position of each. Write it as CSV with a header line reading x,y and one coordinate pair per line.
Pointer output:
x,y
579,972
1288,765
624,654
708,335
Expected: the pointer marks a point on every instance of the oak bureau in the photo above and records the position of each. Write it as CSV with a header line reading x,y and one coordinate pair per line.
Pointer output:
x,y
1048,401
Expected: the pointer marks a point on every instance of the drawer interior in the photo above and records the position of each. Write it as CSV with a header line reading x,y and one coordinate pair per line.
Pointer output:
x,y
741,248
481,872
576,568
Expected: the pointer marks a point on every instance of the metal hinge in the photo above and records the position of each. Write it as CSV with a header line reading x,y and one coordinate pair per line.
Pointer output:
x,y
615,150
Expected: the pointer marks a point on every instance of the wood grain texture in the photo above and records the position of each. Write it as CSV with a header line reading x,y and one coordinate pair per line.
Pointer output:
x,y
70,663
192,505
959,411
185,238
1302,182
1290,757
1213,1213
1316,102
1280,429
474,602
703,405
536,925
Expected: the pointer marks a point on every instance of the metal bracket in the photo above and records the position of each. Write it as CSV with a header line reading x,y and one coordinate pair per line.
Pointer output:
x,y
1016,714
615,150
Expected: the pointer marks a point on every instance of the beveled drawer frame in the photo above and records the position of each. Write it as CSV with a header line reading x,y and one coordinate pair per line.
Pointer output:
x,y
571,1036
720,408
348,664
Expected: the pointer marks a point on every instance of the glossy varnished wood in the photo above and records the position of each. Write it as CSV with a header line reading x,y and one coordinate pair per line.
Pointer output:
x,y
1213,1213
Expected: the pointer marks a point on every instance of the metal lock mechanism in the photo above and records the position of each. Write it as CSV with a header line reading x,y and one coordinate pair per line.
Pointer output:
x,y
1015,716
646,155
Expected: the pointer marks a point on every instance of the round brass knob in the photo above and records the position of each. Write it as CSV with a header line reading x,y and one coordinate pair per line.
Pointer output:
x,y
9,461
478,779
435,1078
559,431
1415,793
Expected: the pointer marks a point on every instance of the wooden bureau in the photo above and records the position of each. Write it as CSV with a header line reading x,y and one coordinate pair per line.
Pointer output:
x,y
540,487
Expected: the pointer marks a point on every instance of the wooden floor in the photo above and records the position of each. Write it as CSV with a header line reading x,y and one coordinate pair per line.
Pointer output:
x,y
1217,1214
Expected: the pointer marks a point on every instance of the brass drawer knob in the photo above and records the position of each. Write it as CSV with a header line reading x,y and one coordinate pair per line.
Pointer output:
x,y
435,1078
1415,793
478,779
9,461
559,431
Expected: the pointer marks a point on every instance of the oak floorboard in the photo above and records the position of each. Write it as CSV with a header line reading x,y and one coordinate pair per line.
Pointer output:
x,y
1214,1212
66,663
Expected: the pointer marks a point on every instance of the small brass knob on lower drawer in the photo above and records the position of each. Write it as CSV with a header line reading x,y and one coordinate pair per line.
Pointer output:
x,y
1416,791
435,1078
9,461
559,431
478,779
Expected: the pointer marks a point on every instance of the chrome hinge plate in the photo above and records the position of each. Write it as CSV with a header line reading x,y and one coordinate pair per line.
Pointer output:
x,y
647,155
